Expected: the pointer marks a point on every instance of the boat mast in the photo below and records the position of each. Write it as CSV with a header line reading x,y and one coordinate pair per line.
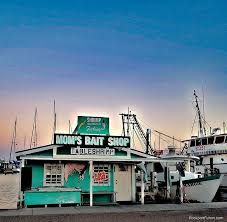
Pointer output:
x,y
55,123
204,120
13,143
201,130
34,131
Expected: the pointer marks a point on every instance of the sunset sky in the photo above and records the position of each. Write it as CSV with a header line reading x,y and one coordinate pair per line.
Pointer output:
x,y
101,57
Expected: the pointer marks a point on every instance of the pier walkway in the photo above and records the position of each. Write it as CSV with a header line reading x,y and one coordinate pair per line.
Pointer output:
x,y
133,213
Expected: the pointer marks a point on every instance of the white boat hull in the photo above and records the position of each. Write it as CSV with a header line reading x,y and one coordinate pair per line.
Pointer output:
x,y
200,189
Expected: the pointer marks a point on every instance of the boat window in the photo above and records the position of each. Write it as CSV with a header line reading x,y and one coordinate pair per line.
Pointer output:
x,y
192,143
198,142
204,141
158,168
210,140
219,139
226,139
192,166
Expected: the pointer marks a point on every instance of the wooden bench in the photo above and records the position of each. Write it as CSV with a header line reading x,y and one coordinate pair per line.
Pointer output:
x,y
86,195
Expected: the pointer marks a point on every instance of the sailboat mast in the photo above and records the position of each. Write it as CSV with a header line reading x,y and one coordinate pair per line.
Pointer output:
x,y
34,131
13,142
55,123
199,115
15,135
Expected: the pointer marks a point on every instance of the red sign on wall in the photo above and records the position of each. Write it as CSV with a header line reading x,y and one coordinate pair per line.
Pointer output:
x,y
100,176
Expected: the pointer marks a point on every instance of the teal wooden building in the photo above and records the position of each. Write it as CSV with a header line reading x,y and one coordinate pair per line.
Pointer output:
x,y
80,169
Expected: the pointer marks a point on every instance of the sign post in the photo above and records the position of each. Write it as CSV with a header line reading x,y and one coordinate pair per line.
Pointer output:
x,y
91,183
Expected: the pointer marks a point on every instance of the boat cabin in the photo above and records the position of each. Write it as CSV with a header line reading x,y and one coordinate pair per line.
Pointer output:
x,y
209,145
217,139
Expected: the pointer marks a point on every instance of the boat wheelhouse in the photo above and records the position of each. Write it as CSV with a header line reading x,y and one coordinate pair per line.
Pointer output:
x,y
209,145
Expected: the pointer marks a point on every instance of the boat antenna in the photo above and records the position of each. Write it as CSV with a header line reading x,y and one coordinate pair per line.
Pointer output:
x,y
34,131
224,125
199,115
204,120
13,142
55,123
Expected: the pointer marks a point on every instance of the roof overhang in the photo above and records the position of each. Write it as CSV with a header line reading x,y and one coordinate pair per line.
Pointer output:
x,y
35,150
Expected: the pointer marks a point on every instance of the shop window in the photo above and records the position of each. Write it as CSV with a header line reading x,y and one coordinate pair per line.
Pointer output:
x,y
101,175
53,175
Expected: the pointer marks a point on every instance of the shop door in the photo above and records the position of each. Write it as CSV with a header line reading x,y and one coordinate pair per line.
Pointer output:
x,y
122,182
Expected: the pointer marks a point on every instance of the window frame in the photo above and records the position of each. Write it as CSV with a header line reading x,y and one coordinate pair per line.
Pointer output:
x,y
208,140
100,167
51,184
192,143
199,141
217,137
204,139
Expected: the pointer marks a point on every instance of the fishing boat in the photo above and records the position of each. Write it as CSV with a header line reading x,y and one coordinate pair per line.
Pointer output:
x,y
196,186
11,166
210,146
156,174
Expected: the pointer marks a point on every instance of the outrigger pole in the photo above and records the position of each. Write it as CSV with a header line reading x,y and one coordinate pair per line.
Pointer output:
x,y
145,137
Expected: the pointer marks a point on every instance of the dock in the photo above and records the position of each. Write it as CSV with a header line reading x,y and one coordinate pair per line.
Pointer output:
x,y
149,212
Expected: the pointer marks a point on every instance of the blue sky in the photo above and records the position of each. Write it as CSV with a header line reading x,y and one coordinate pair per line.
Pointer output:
x,y
99,57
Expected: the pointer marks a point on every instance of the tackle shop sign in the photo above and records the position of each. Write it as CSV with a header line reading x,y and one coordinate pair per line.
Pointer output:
x,y
92,141
92,125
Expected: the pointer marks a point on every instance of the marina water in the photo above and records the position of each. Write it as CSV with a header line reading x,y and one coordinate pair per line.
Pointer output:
x,y
9,191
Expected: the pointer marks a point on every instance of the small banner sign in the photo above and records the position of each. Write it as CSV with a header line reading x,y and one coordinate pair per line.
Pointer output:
x,y
92,141
92,125
93,151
